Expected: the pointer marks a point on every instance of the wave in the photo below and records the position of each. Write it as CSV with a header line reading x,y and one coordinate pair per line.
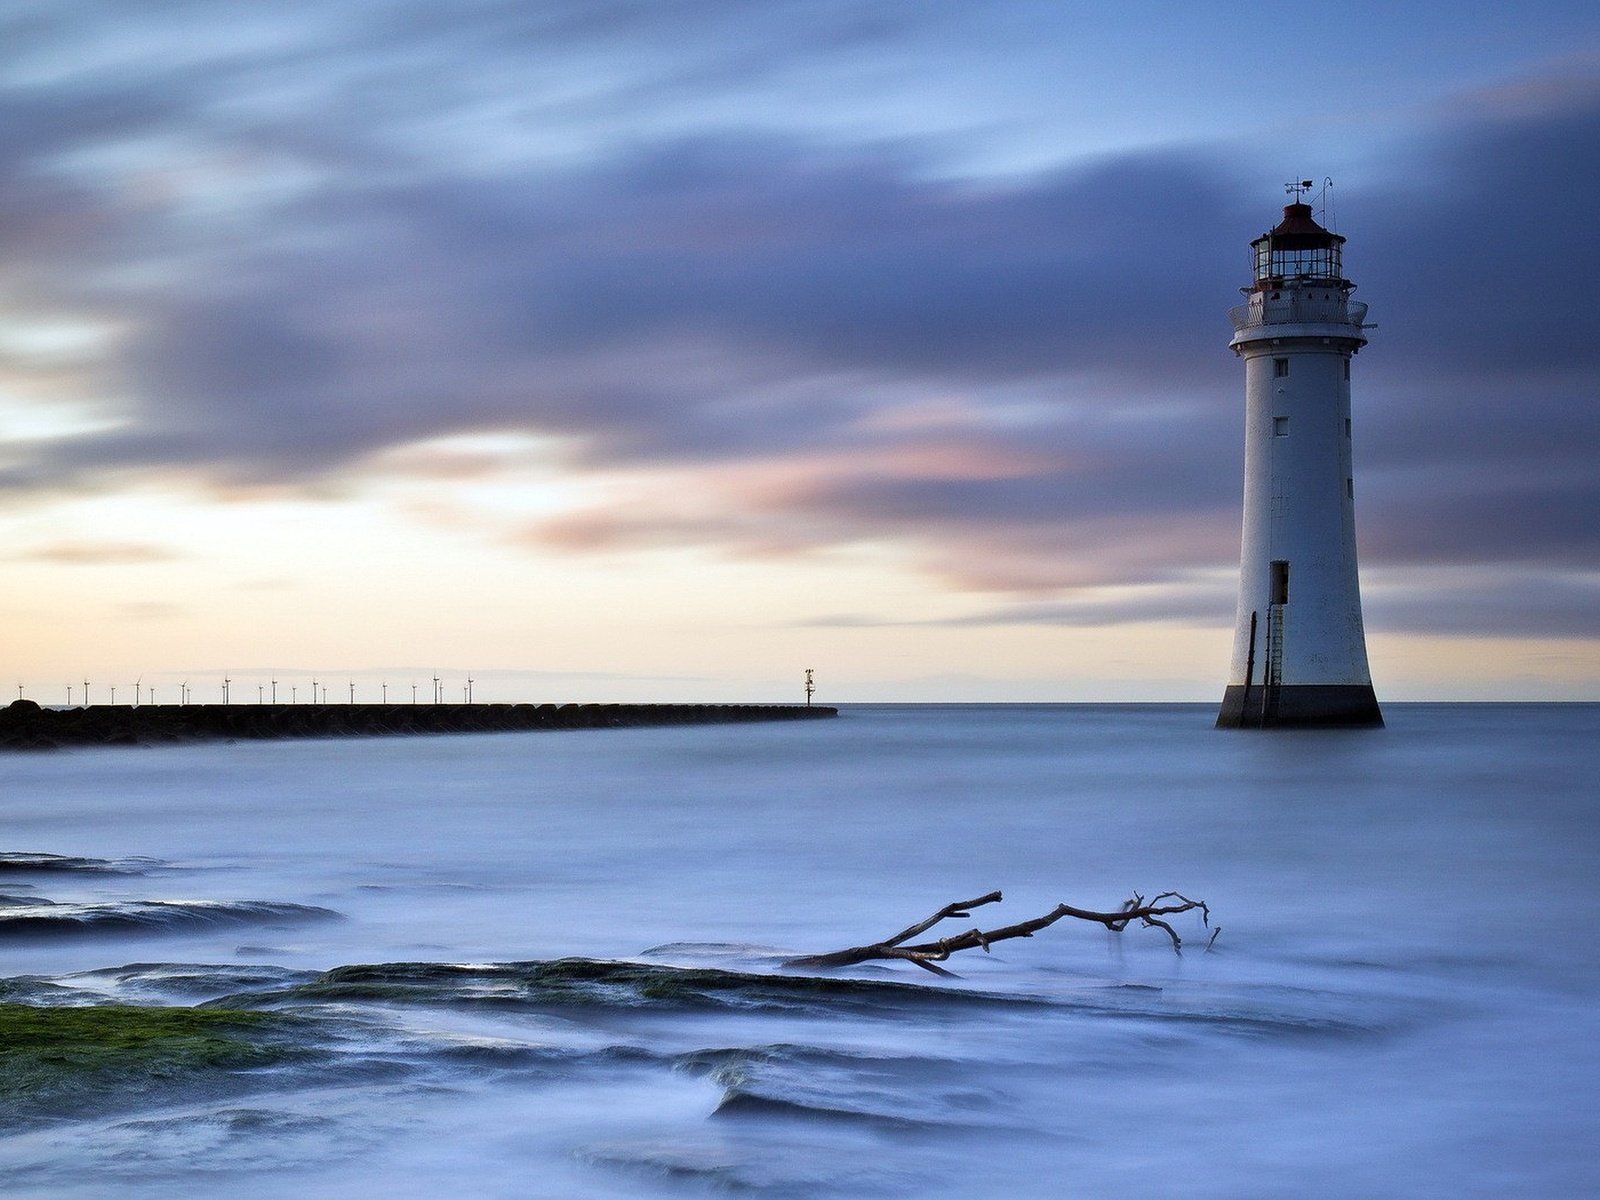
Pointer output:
x,y
619,983
49,920
739,1103
733,1064
33,862
905,1089
716,950
31,989
147,980
712,1163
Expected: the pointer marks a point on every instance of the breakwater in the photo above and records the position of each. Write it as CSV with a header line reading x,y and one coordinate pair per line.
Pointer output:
x,y
25,725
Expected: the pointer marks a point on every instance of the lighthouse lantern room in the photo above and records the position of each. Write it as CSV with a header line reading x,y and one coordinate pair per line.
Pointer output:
x,y
1299,652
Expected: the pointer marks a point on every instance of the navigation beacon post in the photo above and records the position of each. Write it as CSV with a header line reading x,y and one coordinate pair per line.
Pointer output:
x,y
1299,649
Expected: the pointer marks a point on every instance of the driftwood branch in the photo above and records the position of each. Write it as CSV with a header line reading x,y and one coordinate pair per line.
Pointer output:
x,y
1150,913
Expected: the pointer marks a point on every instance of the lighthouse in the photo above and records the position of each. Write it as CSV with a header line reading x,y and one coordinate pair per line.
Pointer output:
x,y
1299,650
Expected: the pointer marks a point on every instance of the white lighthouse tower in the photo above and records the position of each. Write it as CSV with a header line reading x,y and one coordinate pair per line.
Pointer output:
x,y
1299,651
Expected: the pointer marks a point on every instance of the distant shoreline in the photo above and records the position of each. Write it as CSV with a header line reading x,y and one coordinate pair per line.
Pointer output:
x,y
25,725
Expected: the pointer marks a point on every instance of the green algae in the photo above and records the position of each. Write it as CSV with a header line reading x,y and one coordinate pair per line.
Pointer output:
x,y
56,1058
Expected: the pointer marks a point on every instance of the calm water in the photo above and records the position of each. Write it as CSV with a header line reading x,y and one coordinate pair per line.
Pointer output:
x,y
1402,1001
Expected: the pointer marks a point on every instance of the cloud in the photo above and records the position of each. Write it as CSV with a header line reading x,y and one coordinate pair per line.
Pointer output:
x,y
97,554
150,610
760,338
1187,604
1481,432
1485,602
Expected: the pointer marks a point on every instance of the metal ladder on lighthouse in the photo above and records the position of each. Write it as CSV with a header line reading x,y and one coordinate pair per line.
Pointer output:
x,y
1272,669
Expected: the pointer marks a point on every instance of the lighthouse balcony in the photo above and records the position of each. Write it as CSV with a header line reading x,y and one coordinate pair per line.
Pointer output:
x,y
1294,306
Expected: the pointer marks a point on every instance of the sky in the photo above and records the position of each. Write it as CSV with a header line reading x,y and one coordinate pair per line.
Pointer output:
x,y
661,349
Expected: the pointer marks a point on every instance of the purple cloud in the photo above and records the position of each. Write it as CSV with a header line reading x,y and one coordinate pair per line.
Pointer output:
x,y
296,293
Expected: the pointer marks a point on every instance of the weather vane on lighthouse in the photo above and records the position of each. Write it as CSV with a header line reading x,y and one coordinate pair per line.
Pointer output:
x,y
1299,651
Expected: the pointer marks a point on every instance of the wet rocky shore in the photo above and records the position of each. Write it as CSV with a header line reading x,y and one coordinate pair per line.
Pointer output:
x,y
25,725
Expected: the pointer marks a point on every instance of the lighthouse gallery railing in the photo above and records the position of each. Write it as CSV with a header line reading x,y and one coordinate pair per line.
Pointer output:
x,y
1297,309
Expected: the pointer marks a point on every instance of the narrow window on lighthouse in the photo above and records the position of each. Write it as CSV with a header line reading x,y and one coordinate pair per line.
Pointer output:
x,y
1280,367
1280,426
1347,427
1347,368
1280,582
1350,489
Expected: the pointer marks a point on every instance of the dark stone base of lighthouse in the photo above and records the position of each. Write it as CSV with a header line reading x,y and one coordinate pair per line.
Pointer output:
x,y
1307,706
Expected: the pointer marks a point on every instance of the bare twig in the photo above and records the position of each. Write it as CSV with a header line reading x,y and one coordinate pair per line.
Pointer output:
x,y
928,954
957,909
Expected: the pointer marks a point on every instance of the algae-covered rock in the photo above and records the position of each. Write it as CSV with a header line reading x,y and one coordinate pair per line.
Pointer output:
x,y
56,1058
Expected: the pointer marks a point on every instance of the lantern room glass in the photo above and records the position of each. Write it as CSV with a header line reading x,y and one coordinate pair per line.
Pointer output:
x,y
1310,262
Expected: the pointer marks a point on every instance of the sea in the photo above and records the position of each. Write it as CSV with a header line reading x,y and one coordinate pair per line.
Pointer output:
x,y
552,964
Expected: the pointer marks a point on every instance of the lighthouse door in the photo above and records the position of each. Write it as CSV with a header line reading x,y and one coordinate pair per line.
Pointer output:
x,y
1272,669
